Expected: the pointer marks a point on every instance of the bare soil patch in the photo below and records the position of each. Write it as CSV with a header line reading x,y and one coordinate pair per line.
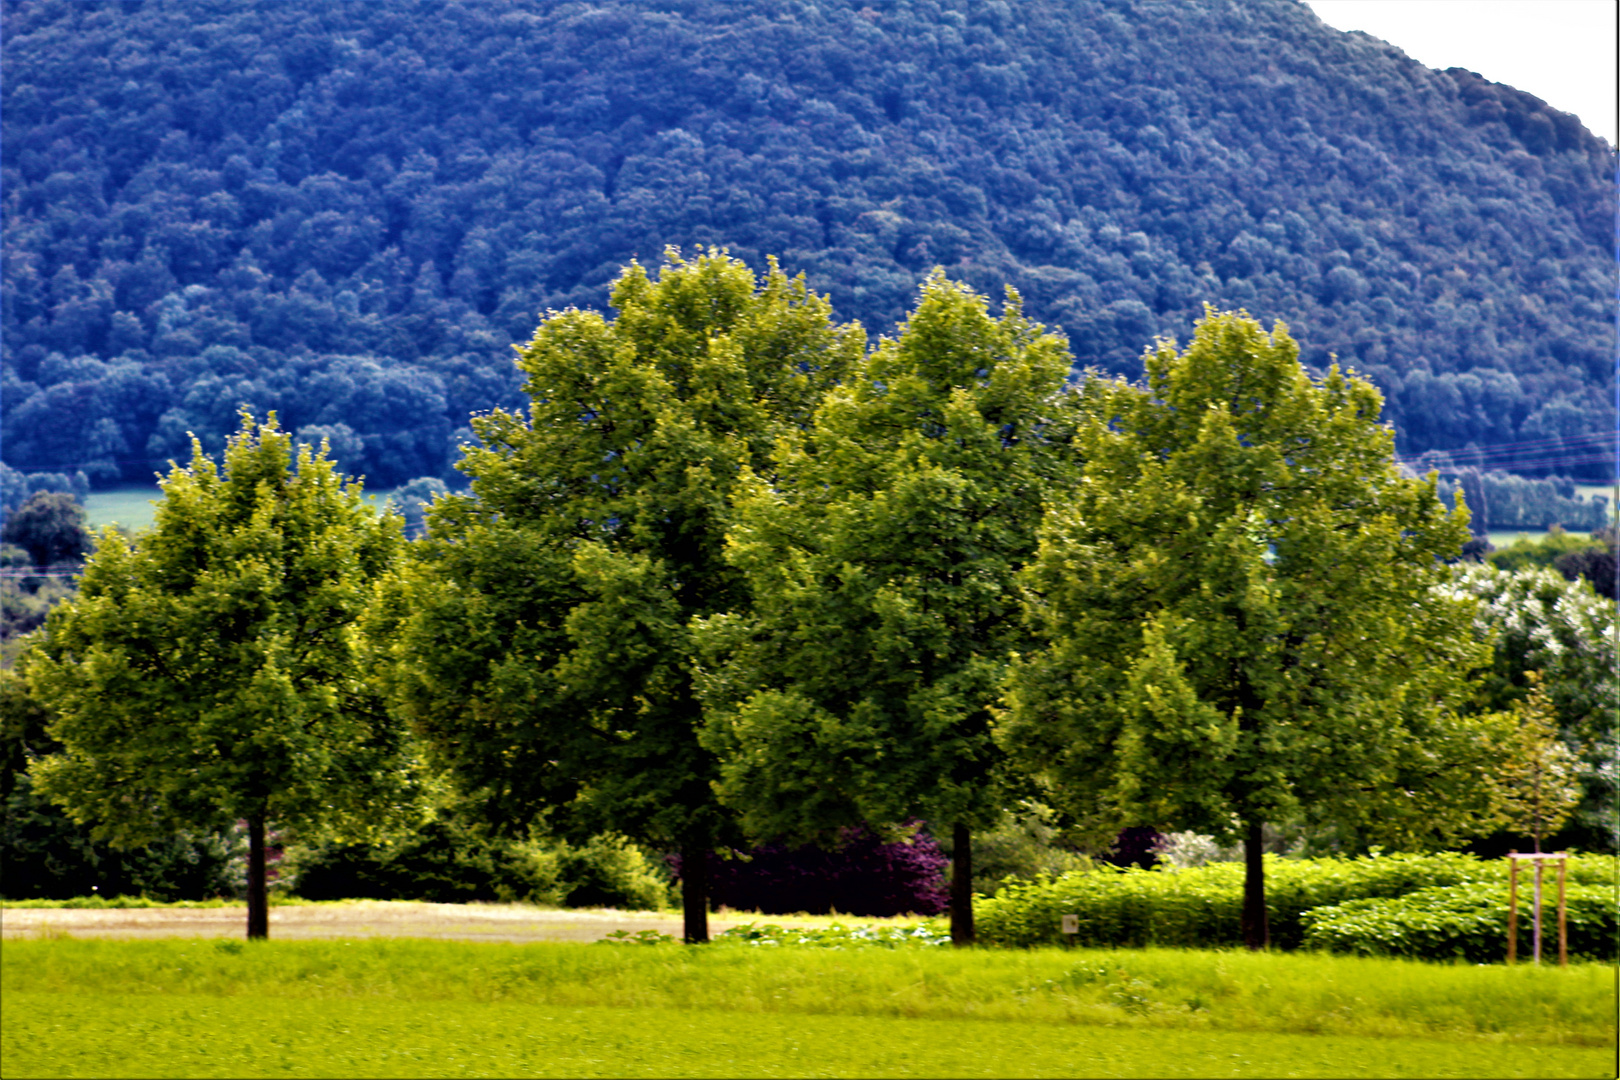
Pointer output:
x,y
355,918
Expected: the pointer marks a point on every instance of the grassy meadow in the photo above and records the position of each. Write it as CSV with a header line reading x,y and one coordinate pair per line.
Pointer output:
x,y
131,505
399,1007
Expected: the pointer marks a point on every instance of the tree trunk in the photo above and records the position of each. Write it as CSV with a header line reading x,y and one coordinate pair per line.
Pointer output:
x,y
258,898
695,892
961,886
1256,927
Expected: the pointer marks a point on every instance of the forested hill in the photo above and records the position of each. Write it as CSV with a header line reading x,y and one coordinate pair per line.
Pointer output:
x,y
348,210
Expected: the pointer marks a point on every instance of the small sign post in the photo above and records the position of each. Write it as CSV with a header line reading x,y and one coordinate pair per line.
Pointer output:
x,y
1513,906
1071,924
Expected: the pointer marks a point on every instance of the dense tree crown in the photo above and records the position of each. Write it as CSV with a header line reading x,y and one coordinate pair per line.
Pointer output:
x,y
880,568
541,634
1241,609
345,210
208,672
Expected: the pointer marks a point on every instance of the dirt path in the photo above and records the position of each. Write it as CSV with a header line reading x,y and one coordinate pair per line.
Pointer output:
x,y
358,918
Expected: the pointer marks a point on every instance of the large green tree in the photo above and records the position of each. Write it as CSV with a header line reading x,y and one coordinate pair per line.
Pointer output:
x,y
540,638
881,562
1244,614
208,670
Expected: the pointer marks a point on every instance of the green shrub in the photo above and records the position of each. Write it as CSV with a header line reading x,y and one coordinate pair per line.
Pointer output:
x,y
1202,907
1542,551
606,871
447,863
45,855
1466,922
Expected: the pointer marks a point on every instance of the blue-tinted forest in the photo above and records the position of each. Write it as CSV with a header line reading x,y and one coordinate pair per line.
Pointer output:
x,y
347,211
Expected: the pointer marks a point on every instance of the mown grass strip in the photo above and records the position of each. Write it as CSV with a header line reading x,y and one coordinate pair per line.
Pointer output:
x,y
1159,989
186,1035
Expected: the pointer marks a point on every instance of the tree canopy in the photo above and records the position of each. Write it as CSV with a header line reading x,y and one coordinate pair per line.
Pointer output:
x,y
1242,611
208,671
540,635
879,561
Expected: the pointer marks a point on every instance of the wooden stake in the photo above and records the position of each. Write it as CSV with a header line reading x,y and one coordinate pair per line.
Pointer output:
x,y
1563,926
1535,935
1513,907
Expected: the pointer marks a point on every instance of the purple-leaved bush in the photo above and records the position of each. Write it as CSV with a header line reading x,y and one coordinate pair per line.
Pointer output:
x,y
1135,846
862,876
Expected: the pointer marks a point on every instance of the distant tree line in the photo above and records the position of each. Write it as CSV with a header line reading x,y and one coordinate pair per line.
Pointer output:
x,y
347,212
1498,500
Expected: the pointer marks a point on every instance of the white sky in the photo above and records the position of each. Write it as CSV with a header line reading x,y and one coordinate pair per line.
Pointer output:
x,y
1562,51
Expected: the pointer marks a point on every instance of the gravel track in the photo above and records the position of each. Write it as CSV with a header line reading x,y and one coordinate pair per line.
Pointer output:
x,y
358,918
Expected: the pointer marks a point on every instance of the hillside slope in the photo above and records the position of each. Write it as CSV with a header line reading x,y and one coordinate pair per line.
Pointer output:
x,y
347,210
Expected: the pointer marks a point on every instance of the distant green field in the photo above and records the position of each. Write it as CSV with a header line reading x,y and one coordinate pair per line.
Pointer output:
x,y
130,505
1586,491
397,1007
1501,538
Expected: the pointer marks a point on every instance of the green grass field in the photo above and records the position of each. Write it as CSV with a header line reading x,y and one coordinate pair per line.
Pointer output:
x,y
1608,491
129,505
1501,538
393,1007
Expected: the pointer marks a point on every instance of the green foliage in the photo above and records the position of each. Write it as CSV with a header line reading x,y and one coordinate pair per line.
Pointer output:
x,y
1022,844
880,564
539,636
16,486
837,935
50,527
1540,625
23,721
640,937
445,862
606,871
1540,553
1534,775
207,671
45,854
1467,923
833,936
1202,908
25,601
1241,610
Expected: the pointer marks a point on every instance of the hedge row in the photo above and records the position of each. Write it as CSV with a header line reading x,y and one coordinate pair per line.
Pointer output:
x,y
1466,922
1202,907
